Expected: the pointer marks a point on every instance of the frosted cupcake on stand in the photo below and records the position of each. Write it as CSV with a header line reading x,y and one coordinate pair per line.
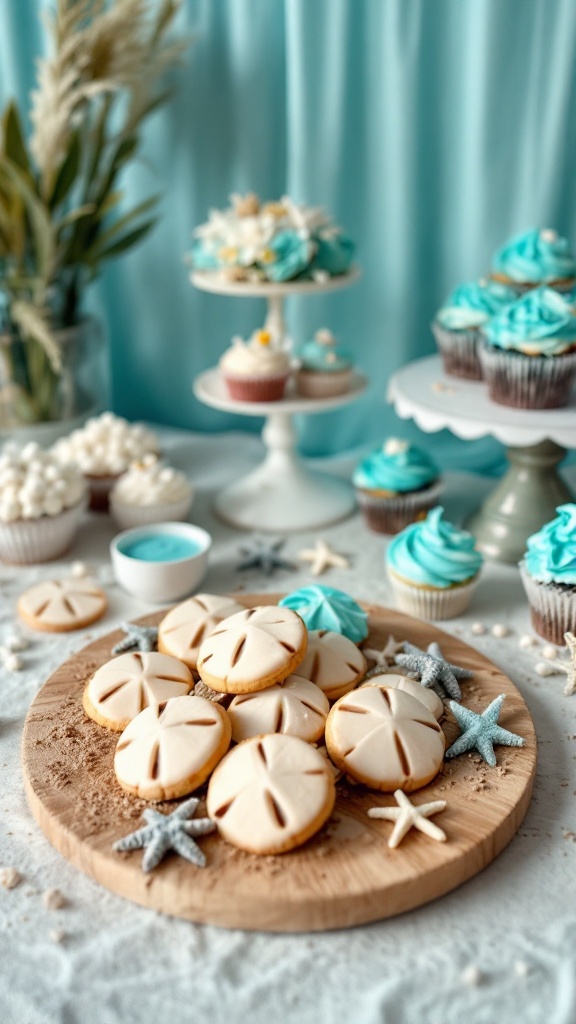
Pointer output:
x,y
548,572
150,492
41,504
325,368
255,370
396,485
536,257
456,326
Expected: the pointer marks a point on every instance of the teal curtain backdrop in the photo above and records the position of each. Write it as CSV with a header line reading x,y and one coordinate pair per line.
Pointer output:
x,y
431,129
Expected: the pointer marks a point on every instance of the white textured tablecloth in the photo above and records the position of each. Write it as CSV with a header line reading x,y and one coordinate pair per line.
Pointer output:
x,y
502,948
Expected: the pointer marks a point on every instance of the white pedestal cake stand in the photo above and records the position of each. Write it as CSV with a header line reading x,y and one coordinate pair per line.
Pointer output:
x,y
529,492
282,494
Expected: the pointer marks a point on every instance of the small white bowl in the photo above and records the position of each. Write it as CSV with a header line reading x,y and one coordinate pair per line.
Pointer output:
x,y
161,582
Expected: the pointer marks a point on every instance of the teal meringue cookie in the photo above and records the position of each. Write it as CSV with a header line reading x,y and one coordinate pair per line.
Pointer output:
x,y
292,254
551,552
397,466
323,353
473,304
537,256
204,256
330,609
334,253
540,323
434,553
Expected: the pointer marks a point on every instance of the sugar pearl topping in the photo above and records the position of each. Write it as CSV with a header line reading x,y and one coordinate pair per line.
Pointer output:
x,y
34,483
106,445
149,482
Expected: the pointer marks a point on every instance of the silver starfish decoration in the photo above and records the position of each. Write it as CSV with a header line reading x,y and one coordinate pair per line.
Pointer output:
x,y
166,832
138,638
433,669
263,555
480,732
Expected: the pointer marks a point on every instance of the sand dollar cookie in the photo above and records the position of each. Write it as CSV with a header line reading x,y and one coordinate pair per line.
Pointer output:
x,y
125,686
59,606
252,650
170,749
385,738
333,662
271,793
296,707
184,628
425,694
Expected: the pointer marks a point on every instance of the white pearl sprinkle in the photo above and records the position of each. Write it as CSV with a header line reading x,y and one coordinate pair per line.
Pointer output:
x,y
499,630
78,570
543,668
521,968
550,652
478,629
16,642
527,641
13,662
471,975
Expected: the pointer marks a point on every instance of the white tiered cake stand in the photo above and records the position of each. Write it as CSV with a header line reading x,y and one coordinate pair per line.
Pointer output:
x,y
281,494
527,496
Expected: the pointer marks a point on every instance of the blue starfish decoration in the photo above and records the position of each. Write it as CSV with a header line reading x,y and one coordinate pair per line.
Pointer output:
x,y
434,671
480,732
138,638
166,832
265,556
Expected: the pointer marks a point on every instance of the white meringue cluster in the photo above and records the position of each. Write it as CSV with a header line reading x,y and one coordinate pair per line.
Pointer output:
x,y
106,445
34,483
149,482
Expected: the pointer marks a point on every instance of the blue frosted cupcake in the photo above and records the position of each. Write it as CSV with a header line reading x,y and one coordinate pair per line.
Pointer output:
x,y
396,485
533,258
433,568
529,353
325,368
548,572
329,609
459,320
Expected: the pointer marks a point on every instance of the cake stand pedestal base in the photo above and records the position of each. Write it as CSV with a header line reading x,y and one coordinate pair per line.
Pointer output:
x,y
282,494
525,497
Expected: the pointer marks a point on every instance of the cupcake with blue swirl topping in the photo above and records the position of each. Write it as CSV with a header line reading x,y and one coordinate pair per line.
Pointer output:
x,y
326,608
529,353
325,368
396,485
433,568
459,320
548,571
535,257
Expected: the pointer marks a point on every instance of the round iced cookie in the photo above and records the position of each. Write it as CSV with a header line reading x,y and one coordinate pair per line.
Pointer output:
x,y
170,749
385,738
252,650
425,694
295,707
125,686
333,662
184,628
327,608
59,606
271,793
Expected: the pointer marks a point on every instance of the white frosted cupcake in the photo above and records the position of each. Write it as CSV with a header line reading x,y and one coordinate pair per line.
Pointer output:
x,y
255,370
103,449
150,492
41,504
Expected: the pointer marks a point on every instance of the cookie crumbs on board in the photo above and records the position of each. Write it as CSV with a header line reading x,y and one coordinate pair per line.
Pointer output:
x,y
10,878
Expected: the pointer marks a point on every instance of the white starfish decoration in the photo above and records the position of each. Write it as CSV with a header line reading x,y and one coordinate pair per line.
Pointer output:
x,y
408,816
569,667
385,657
323,557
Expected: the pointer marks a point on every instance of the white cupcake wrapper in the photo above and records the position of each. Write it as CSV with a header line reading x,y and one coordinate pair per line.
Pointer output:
x,y
553,608
431,604
527,382
127,516
314,384
28,541
459,350
391,514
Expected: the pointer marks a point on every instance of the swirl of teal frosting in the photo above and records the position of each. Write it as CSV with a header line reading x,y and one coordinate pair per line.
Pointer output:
x,y
292,254
323,353
334,253
434,552
551,553
327,608
540,323
535,256
396,466
472,304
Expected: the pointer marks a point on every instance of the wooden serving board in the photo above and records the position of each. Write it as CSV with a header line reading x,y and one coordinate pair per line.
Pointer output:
x,y
346,875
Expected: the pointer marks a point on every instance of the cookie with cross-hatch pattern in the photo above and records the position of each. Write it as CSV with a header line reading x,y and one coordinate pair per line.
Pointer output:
x,y
296,707
125,686
170,749
252,650
271,793
59,606
385,738
333,662
184,628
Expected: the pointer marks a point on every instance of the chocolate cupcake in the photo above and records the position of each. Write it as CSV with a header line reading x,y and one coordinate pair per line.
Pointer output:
x,y
457,324
396,485
528,356
548,572
533,258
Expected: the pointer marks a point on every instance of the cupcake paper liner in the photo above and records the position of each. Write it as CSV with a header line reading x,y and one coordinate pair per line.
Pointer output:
x,y
27,541
127,516
431,604
256,389
316,384
459,351
552,607
391,514
527,382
